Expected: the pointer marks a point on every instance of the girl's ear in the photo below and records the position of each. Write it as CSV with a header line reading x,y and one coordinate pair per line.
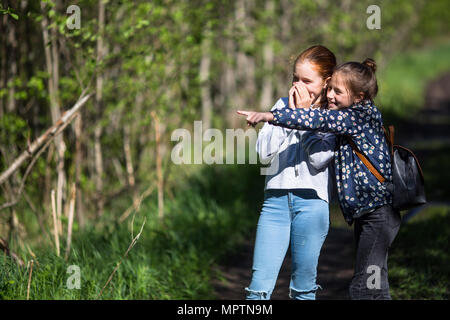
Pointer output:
x,y
327,80
359,97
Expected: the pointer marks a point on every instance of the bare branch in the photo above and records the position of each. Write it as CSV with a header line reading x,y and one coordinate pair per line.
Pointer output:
x,y
48,135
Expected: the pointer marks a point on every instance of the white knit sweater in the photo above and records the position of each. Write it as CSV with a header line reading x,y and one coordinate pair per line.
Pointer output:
x,y
303,157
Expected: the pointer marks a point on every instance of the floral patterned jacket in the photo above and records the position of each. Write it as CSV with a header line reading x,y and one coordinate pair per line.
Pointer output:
x,y
359,191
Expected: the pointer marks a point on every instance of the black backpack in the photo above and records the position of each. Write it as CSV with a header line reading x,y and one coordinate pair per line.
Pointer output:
x,y
407,187
408,184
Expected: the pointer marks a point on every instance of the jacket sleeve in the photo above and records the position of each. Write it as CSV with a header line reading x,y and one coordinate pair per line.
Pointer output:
x,y
271,138
325,120
319,147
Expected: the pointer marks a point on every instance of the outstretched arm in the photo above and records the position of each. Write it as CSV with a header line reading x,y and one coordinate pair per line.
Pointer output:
x,y
334,121
325,120
253,118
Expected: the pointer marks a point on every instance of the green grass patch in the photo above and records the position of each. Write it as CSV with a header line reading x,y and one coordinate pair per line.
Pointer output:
x,y
402,82
209,215
419,262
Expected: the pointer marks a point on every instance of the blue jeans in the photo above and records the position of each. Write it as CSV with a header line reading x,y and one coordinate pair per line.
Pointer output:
x,y
297,217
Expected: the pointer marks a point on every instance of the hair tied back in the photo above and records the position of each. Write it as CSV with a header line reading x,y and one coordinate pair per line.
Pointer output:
x,y
370,63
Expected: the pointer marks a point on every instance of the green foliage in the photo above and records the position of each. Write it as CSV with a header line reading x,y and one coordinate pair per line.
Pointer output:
x,y
419,262
9,12
172,259
403,80
13,131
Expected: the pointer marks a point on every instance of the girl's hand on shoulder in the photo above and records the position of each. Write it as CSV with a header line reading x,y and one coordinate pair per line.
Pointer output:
x,y
254,118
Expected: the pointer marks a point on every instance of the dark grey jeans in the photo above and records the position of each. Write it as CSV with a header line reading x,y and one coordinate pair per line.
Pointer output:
x,y
374,234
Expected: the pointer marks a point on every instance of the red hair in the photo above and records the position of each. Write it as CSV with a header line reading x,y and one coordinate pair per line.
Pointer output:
x,y
321,57
323,60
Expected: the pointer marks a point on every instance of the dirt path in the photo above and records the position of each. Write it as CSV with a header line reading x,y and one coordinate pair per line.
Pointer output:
x,y
334,272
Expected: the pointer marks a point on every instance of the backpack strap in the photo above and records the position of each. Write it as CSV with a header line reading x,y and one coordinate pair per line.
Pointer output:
x,y
365,160
390,137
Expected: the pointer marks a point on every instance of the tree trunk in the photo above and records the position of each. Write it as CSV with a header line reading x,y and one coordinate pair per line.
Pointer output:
x,y
52,63
3,57
98,171
266,100
99,107
245,64
48,178
159,173
78,169
205,62
128,158
284,78
12,41
229,81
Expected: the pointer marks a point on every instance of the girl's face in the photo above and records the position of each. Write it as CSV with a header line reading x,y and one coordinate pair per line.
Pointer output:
x,y
337,94
305,73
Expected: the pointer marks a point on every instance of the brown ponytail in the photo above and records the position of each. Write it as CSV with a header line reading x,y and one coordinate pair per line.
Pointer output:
x,y
360,77
370,63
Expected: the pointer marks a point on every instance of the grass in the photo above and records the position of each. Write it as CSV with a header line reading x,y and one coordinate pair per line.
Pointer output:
x,y
174,257
419,262
402,82
210,214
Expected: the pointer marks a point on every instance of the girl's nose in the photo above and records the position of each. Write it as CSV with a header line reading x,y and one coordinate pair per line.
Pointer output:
x,y
330,94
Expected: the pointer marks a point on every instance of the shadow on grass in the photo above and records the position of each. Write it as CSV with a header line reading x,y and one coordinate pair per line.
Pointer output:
x,y
419,258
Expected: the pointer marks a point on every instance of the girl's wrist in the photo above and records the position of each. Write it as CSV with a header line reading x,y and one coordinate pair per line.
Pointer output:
x,y
268,116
